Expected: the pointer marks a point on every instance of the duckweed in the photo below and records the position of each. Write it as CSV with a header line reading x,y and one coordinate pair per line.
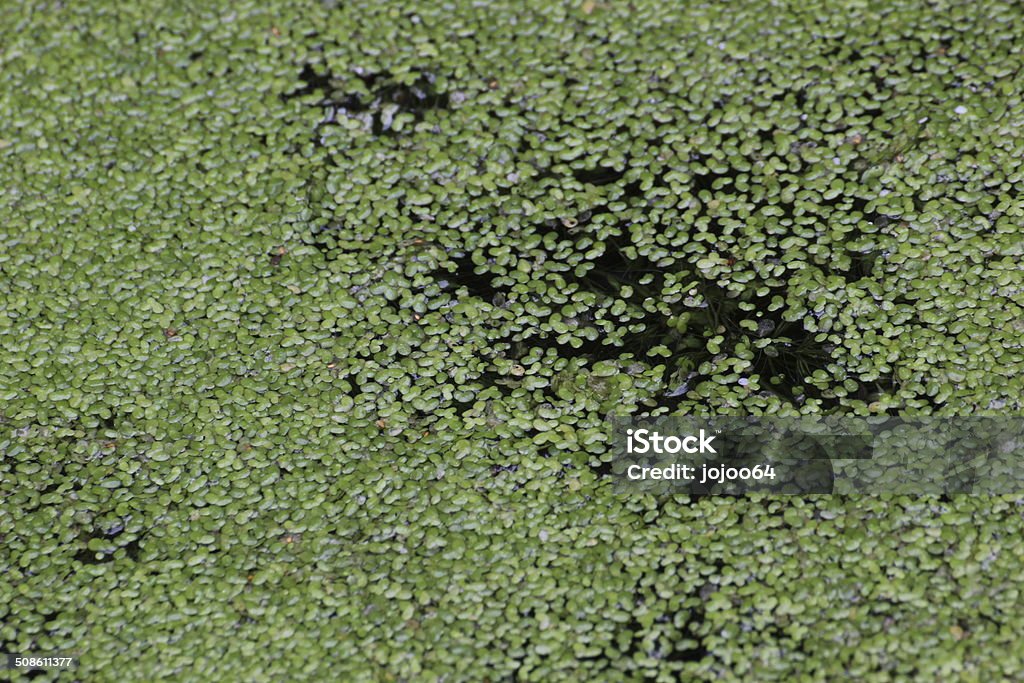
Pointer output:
x,y
312,314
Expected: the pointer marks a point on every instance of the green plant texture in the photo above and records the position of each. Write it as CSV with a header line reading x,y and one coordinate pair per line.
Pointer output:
x,y
312,314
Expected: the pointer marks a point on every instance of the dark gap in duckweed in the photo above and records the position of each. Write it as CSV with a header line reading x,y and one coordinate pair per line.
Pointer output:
x,y
327,240
593,349
711,180
668,648
861,267
481,285
312,81
387,98
601,175
51,488
465,275
86,556
416,98
50,620
490,378
699,650
133,549
783,365
602,468
631,190
800,97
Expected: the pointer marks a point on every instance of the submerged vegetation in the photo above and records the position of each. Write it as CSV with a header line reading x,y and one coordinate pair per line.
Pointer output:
x,y
312,314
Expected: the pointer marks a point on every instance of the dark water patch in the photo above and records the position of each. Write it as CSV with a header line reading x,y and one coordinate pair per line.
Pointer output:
x,y
109,533
312,81
710,180
669,646
472,277
599,175
619,273
386,98
862,266
417,97
328,239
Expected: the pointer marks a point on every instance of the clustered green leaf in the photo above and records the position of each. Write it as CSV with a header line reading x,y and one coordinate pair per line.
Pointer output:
x,y
311,315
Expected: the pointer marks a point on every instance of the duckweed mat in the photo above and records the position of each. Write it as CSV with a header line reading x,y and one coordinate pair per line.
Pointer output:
x,y
312,315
